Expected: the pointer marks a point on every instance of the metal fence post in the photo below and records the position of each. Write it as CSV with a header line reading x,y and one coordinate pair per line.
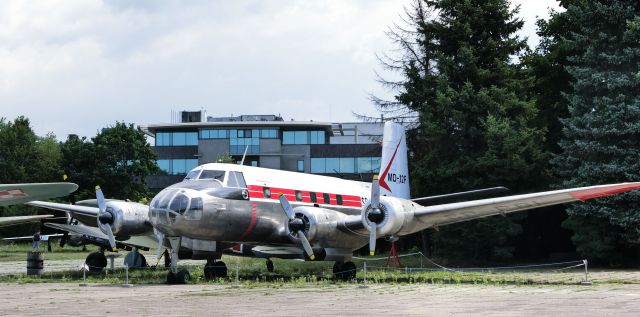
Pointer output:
x,y
365,276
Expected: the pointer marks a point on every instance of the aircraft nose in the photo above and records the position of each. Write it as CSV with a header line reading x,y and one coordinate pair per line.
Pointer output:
x,y
172,204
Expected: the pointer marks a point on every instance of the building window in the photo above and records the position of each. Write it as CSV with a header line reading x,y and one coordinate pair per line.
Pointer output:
x,y
269,133
176,138
301,166
317,137
177,166
244,139
303,137
328,165
317,165
213,134
368,164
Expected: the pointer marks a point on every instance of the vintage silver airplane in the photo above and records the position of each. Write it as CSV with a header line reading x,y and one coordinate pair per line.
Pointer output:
x,y
270,213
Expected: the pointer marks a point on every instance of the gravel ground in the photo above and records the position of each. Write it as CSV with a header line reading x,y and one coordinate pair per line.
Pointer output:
x,y
406,300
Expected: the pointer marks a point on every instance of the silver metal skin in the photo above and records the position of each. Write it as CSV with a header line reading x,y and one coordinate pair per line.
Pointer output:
x,y
129,219
234,220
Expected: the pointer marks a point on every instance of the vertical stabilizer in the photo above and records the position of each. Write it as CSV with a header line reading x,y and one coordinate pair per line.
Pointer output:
x,y
394,168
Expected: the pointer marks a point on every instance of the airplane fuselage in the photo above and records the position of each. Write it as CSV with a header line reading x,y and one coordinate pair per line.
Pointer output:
x,y
227,210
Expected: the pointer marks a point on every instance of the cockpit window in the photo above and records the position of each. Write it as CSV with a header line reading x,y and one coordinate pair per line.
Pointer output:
x,y
236,180
195,209
193,174
211,174
179,204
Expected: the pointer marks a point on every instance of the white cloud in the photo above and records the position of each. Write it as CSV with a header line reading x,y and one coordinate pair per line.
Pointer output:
x,y
77,66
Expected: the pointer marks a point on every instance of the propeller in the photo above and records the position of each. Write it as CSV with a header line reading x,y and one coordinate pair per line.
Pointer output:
x,y
375,216
105,218
296,225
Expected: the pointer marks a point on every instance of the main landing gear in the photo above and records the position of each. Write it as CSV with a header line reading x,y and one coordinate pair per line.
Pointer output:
x,y
344,270
212,270
96,261
215,269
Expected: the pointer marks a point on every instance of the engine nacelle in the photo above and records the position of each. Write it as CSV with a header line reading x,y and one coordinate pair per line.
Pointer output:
x,y
127,219
394,216
321,226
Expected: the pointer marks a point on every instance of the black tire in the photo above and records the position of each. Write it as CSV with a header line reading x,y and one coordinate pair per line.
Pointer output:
x,y
96,261
349,271
183,277
337,270
220,269
215,270
209,273
269,265
171,278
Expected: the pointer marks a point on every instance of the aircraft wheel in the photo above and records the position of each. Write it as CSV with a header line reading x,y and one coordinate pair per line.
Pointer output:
x,y
96,261
337,270
209,273
349,271
269,265
220,269
171,278
183,277
215,270
135,260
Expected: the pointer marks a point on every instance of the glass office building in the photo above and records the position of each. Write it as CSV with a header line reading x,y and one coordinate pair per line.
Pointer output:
x,y
346,150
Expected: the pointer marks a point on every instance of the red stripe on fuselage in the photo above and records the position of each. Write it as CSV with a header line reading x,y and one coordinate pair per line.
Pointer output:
x,y
252,222
257,191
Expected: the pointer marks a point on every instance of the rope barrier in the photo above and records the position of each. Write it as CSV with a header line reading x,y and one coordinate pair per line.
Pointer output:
x,y
352,272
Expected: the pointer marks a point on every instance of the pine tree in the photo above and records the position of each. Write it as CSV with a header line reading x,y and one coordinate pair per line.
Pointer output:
x,y
601,141
477,127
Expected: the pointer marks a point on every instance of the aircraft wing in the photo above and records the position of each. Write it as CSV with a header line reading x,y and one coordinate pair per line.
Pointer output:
x,y
10,221
43,237
462,211
73,209
11,194
146,241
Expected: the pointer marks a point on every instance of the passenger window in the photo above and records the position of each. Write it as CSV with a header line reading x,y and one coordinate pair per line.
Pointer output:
x,y
267,192
339,199
327,199
210,174
314,199
298,195
236,180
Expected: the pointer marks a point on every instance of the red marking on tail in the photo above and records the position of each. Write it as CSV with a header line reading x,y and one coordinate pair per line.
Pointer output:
x,y
382,181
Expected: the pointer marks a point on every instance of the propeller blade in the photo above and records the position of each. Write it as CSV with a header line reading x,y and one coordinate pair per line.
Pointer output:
x,y
372,239
286,207
306,245
112,240
101,204
375,192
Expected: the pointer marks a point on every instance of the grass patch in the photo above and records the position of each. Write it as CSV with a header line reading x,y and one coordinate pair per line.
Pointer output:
x,y
13,251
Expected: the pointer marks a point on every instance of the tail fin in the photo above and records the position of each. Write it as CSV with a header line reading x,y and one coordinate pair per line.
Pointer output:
x,y
394,167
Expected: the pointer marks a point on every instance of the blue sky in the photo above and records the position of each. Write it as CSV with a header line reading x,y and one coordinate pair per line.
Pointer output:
x,y
77,66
